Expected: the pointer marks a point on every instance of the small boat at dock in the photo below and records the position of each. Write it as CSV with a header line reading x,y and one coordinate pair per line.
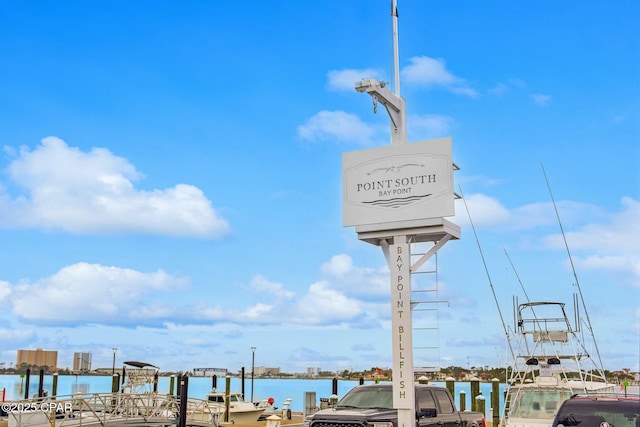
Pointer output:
x,y
240,411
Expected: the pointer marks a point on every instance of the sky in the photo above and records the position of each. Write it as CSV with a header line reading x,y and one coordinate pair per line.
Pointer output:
x,y
171,177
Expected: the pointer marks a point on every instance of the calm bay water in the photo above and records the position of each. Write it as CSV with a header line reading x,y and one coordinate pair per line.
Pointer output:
x,y
279,389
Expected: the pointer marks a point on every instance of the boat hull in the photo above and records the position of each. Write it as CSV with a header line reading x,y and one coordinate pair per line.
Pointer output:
x,y
244,416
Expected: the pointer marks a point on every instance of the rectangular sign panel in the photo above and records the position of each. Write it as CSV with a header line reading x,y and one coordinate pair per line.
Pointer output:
x,y
403,182
401,324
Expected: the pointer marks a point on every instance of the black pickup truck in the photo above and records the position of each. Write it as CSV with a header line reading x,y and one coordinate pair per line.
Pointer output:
x,y
372,406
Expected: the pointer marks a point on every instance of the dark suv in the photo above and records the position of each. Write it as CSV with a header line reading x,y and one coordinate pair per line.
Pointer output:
x,y
599,411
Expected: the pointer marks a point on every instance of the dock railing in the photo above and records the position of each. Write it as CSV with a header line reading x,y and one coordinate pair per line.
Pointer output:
x,y
102,409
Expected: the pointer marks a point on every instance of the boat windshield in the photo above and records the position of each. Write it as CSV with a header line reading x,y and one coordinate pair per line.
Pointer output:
x,y
537,403
367,397
220,398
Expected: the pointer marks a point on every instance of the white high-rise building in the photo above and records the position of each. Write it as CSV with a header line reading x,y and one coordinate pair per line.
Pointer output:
x,y
81,362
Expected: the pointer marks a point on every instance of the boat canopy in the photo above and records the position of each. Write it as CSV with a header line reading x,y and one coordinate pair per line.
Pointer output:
x,y
140,364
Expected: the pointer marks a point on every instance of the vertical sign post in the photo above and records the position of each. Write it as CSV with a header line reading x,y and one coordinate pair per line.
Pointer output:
x,y
399,261
396,196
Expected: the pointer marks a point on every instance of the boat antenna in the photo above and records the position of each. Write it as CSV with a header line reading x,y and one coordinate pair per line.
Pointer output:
x,y
573,269
486,269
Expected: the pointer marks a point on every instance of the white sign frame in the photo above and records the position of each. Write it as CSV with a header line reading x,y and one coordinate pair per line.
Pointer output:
x,y
397,183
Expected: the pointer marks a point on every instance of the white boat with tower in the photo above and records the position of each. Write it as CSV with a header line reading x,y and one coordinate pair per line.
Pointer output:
x,y
553,359
553,355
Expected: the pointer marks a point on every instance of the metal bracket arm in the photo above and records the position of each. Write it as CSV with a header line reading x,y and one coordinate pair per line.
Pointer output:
x,y
394,104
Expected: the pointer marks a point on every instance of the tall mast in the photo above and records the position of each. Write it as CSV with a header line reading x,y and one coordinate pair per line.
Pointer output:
x,y
393,102
396,65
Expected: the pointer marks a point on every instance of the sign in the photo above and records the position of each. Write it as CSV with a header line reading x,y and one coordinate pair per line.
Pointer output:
x,y
404,182
401,324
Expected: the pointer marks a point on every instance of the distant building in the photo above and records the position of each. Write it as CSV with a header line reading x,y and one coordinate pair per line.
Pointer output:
x,y
38,357
312,372
210,372
262,371
81,362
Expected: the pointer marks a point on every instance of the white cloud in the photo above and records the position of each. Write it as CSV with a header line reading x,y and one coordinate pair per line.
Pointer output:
x,y
430,72
347,295
14,336
257,313
5,289
502,88
620,233
627,265
614,241
364,282
598,240
483,210
345,80
260,284
542,214
540,99
93,193
489,212
92,293
322,305
337,126
429,126
339,265
499,89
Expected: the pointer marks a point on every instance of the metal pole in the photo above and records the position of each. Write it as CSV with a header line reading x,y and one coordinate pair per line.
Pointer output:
x,y
54,387
26,387
113,368
242,376
41,385
184,392
253,360
396,66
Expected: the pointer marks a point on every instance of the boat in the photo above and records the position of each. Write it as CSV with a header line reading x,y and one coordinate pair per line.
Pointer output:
x,y
239,410
269,409
139,377
552,358
551,362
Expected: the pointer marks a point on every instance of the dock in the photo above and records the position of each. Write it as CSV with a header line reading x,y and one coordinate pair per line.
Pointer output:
x,y
297,420
109,409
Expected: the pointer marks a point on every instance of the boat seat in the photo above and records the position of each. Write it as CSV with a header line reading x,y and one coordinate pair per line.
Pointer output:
x,y
550,405
535,406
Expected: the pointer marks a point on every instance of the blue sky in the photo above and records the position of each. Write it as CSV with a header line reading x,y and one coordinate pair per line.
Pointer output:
x,y
170,179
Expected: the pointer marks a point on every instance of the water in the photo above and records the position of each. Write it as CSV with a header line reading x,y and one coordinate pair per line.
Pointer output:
x,y
279,389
